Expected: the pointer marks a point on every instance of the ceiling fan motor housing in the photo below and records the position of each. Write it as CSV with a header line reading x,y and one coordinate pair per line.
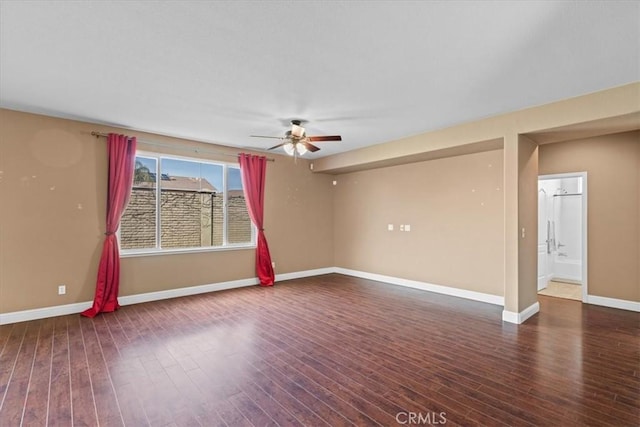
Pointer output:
x,y
297,131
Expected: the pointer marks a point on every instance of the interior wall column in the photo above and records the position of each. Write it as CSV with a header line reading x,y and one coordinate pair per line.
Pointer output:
x,y
520,228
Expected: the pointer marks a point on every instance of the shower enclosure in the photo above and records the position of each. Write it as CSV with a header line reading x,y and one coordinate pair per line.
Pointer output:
x,y
567,224
560,230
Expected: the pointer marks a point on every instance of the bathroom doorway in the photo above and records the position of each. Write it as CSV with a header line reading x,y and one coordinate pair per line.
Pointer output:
x,y
562,235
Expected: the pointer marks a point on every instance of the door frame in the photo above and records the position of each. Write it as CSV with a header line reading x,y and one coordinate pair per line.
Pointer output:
x,y
585,227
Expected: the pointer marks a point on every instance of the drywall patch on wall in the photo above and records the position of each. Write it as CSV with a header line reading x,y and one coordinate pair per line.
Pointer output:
x,y
55,147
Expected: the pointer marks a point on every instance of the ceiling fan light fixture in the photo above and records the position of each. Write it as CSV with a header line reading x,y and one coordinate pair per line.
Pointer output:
x,y
289,148
301,149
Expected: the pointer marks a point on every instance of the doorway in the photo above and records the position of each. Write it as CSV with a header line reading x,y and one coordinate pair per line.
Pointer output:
x,y
562,235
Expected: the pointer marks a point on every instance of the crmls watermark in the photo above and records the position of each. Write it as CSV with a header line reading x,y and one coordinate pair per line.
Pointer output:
x,y
421,418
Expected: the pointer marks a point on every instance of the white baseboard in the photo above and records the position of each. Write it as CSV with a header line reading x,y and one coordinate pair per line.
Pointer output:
x,y
305,273
43,313
613,303
430,287
62,310
518,318
183,292
507,316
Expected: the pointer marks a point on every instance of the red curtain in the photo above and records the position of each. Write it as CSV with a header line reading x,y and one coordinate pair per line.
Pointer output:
x,y
122,155
253,170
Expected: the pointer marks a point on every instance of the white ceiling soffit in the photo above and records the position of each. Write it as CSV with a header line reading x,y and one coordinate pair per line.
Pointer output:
x,y
369,71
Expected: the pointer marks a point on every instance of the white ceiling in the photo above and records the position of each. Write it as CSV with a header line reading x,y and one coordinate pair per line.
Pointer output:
x,y
370,71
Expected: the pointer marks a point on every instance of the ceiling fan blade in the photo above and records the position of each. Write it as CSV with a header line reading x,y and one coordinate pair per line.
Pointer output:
x,y
263,136
276,146
324,138
309,146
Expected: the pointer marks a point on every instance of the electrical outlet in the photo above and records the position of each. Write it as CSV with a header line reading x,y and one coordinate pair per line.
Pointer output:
x,y
273,265
407,227
390,227
62,289
401,227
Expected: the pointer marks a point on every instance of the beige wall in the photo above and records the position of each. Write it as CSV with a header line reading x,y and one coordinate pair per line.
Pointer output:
x,y
600,113
612,164
455,209
527,220
55,166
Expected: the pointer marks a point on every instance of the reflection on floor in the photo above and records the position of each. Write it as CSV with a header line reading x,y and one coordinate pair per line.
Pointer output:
x,y
562,290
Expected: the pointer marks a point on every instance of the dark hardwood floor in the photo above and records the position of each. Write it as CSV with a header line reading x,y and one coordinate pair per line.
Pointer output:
x,y
330,350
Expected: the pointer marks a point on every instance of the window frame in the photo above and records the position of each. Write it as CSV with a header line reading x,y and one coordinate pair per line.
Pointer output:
x,y
157,249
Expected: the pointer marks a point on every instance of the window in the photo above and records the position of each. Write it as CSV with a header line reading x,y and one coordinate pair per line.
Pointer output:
x,y
181,204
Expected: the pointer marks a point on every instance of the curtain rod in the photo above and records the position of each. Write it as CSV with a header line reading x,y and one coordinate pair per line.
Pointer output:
x,y
196,150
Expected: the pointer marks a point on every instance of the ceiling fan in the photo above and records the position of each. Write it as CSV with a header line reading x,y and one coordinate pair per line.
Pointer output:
x,y
296,142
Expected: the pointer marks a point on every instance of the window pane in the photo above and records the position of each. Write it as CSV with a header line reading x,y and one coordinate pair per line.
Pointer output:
x,y
138,223
190,204
191,208
238,223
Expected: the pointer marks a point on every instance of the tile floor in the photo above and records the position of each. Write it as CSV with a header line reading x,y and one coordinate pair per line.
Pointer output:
x,y
562,290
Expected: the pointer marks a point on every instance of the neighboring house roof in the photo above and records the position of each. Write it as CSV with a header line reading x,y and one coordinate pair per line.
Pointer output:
x,y
180,183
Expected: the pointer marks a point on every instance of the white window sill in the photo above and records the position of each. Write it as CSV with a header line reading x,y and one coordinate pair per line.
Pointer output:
x,y
177,251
